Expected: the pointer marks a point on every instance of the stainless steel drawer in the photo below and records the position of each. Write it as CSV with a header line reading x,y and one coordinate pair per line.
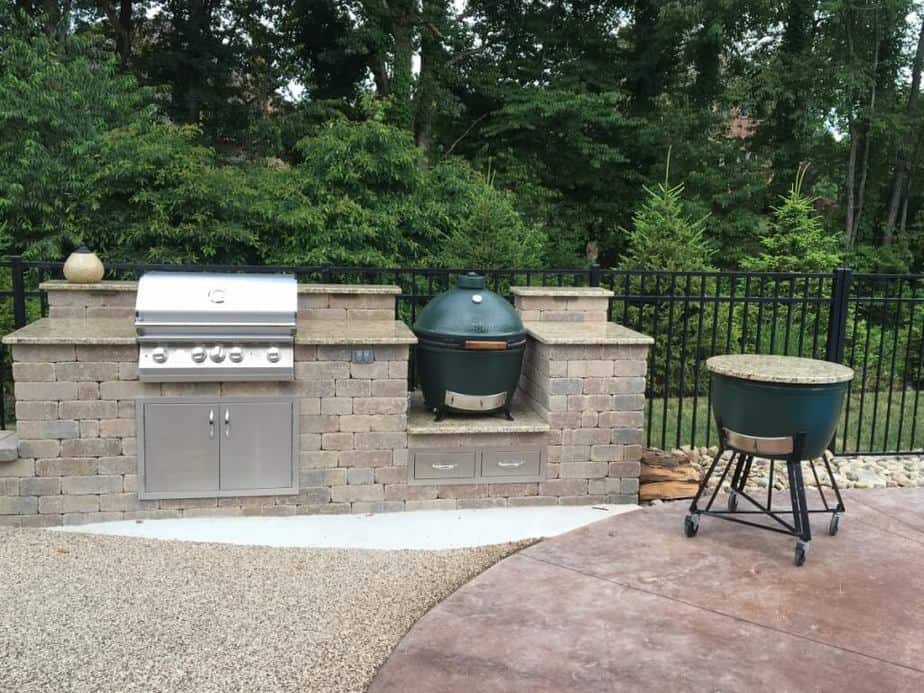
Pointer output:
x,y
509,463
444,464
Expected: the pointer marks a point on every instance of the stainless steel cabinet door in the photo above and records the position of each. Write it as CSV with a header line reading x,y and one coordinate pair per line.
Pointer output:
x,y
180,448
256,445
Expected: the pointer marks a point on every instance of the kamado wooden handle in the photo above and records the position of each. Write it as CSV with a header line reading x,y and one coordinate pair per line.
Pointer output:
x,y
485,345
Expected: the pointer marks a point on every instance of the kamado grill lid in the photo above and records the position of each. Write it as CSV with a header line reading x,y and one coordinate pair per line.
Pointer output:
x,y
469,313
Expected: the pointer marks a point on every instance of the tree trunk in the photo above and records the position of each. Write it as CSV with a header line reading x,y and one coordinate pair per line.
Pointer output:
x,y
903,155
707,53
851,185
120,23
432,60
403,22
124,35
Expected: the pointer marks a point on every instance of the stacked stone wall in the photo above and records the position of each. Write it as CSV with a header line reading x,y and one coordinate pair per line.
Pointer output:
x,y
593,396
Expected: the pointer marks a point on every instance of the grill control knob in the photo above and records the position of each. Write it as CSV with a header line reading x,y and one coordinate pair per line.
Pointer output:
x,y
217,354
272,354
236,354
198,354
159,354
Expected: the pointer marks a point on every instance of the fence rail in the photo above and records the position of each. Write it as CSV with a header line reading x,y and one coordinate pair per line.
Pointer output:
x,y
870,322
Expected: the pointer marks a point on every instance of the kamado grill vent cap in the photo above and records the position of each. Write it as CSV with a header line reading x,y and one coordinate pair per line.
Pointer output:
x,y
469,312
470,281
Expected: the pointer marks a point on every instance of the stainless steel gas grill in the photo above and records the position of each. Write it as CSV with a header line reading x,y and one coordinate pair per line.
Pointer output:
x,y
208,327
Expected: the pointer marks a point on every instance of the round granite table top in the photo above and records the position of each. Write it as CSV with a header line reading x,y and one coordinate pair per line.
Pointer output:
x,y
779,369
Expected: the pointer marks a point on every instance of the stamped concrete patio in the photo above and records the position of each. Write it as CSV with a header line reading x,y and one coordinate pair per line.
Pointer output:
x,y
630,604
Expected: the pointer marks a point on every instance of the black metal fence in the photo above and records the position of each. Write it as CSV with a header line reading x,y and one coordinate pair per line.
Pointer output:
x,y
871,322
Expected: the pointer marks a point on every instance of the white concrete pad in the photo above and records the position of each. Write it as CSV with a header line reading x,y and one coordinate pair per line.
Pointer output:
x,y
425,529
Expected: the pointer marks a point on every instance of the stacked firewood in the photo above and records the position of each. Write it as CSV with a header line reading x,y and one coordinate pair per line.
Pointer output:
x,y
667,475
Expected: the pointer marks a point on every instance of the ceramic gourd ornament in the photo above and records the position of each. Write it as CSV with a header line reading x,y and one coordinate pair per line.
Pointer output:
x,y
83,267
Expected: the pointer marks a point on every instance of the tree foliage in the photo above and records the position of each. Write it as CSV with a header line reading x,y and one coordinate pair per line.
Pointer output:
x,y
663,236
552,116
796,240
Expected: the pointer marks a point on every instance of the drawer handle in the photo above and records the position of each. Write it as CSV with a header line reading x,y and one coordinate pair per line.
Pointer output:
x,y
444,467
511,463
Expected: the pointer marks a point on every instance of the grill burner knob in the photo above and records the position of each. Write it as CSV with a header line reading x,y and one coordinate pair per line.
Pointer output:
x,y
272,354
217,354
236,354
198,354
159,354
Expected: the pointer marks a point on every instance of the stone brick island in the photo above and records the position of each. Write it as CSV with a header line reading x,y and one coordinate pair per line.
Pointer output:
x,y
362,443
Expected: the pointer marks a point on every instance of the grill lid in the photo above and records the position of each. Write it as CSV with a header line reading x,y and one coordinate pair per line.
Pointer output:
x,y
469,313
212,302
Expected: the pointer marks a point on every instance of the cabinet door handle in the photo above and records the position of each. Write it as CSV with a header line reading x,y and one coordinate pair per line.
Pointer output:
x,y
211,423
227,423
444,467
511,463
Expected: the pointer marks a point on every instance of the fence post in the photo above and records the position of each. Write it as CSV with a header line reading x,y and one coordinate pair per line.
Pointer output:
x,y
595,274
837,316
19,291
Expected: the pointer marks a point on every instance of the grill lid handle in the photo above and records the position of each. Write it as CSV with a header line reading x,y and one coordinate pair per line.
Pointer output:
x,y
485,345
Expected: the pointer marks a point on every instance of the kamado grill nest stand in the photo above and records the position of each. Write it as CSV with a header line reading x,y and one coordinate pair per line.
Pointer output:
x,y
788,407
743,449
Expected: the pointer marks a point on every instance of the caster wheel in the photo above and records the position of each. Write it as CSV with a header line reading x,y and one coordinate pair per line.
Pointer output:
x,y
691,525
733,502
835,524
801,553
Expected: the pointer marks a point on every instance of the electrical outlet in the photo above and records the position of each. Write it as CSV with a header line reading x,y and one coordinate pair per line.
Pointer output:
x,y
363,356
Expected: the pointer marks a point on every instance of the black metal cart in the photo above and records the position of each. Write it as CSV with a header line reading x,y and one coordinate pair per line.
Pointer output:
x,y
786,449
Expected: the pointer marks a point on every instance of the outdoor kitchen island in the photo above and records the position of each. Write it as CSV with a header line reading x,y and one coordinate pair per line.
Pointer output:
x,y
356,434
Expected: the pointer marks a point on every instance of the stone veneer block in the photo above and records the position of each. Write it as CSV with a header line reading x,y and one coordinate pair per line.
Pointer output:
x,y
562,304
581,401
588,383
353,302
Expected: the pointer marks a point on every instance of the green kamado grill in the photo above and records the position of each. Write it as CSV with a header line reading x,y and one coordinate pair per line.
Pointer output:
x,y
783,409
470,350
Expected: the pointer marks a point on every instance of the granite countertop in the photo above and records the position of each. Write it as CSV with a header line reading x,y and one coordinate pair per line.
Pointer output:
x,y
420,421
121,331
571,291
389,289
548,332
353,332
64,331
64,285
779,369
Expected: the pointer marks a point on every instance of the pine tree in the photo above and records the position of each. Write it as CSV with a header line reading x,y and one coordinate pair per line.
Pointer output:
x,y
663,235
796,240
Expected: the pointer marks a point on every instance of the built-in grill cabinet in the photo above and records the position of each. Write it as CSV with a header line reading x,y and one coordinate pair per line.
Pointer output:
x,y
199,326
200,448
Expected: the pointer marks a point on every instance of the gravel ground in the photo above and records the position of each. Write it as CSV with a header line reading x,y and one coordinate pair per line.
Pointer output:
x,y
96,613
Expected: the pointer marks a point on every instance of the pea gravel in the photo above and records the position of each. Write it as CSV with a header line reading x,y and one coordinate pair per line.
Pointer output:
x,y
99,613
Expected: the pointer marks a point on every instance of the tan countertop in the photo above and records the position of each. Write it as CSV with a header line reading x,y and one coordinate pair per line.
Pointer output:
x,y
389,289
64,331
420,421
112,331
64,285
353,332
549,332
779,369
569,291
